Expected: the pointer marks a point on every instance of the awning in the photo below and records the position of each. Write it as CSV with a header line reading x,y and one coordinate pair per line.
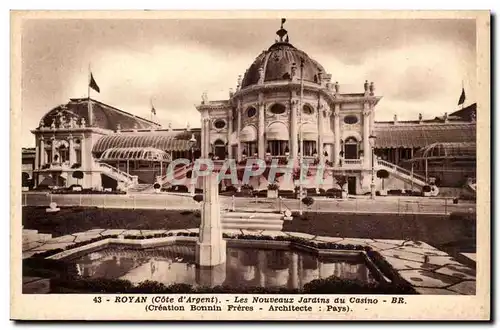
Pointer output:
x,y
309,132
248,134
277,131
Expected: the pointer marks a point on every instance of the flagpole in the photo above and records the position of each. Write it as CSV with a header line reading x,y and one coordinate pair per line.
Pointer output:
x,y
89,106
463,90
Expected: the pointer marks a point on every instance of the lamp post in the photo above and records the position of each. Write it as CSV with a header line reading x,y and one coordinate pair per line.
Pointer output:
x,y
372,139
192,143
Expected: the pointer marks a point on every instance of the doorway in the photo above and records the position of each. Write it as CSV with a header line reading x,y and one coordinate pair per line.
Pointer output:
x,y
220,149
351,185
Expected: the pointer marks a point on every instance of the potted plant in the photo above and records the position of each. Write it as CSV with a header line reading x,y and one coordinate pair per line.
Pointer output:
x,y
272,190
426,191
198,198
342,182
383,174
157,187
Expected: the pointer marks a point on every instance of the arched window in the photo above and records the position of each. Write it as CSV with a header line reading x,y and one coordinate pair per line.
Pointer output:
x,y
307,109
251,112
351,148
277,109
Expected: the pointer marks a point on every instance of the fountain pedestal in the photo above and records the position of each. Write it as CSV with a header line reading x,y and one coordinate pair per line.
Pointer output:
x,y
211,247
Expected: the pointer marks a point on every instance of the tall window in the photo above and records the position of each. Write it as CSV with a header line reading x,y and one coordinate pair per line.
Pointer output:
x,y
309,148
235,119
250,148
64,154
277,147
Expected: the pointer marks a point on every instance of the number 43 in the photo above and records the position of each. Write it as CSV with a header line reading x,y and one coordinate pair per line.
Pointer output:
x,y
97,300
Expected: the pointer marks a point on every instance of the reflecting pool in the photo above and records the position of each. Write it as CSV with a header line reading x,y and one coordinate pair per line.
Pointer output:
x,y
244,266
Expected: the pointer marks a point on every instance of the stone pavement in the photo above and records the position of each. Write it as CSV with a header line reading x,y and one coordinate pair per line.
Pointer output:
x,y
428,269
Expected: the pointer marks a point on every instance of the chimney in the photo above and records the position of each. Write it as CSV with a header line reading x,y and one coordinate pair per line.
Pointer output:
x,y
395,119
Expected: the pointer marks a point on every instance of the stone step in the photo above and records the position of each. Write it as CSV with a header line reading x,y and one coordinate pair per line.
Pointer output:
x,y
253,220
253,215
251,226
30,232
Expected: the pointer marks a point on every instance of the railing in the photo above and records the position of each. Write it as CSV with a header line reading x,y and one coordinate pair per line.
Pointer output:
x,y
129,177
353,161
401,170
177,171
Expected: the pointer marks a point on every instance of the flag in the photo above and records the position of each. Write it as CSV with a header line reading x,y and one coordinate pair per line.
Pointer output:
x,y
93,84
153,110
462,97
283,20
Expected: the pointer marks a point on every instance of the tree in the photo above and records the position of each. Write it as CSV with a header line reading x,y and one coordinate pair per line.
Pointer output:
x,y
25,179
198,198
341,181
308,201
78,175
382,174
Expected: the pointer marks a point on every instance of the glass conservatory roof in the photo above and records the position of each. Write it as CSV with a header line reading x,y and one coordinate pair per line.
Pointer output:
x,y
147,154
448,150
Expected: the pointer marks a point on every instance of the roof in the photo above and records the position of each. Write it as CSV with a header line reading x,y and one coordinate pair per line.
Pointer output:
x,y
466,113
162,140
277,62
421,135
103,115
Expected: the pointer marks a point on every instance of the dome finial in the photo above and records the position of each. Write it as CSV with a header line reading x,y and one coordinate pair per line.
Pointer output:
x,y
282,32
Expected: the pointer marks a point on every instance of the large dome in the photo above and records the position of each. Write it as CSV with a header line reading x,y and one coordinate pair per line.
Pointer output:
x,y
277,63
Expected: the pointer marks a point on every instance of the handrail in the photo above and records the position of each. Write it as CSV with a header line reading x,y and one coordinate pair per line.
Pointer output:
x,y
401,169
120,172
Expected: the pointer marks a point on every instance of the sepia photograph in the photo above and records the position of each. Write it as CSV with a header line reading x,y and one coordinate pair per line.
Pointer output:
x,y
207,164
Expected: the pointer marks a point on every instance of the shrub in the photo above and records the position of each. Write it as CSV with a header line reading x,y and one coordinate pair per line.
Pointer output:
x,y
76,165
157,185
198,198
272,186
308,201
426,189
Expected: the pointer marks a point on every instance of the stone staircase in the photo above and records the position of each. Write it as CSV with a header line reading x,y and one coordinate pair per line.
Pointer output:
x,y
123,178
402,173
252,220
32,239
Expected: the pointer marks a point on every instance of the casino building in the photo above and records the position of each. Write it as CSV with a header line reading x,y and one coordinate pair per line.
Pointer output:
x,y
285,106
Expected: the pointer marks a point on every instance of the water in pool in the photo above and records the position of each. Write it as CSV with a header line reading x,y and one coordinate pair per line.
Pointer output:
x,y
243,267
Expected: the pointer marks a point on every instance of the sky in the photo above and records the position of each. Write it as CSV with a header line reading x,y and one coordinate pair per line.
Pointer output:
x,y
417,66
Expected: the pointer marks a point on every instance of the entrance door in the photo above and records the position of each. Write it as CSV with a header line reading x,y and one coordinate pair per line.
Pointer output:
x,y
351,148
351,185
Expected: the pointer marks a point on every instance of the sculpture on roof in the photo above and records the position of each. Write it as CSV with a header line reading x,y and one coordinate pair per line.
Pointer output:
x,y
204,98
82,122
261,75
337,87
366,85
420,117
372,88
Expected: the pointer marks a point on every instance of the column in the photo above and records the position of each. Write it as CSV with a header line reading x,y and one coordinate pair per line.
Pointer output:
x,y
83,151
336,129
53,139
71,151
262,143
202,137
229,132
37,157
42,152
206,126
319,146
238,156
294,271
367,155
293,129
